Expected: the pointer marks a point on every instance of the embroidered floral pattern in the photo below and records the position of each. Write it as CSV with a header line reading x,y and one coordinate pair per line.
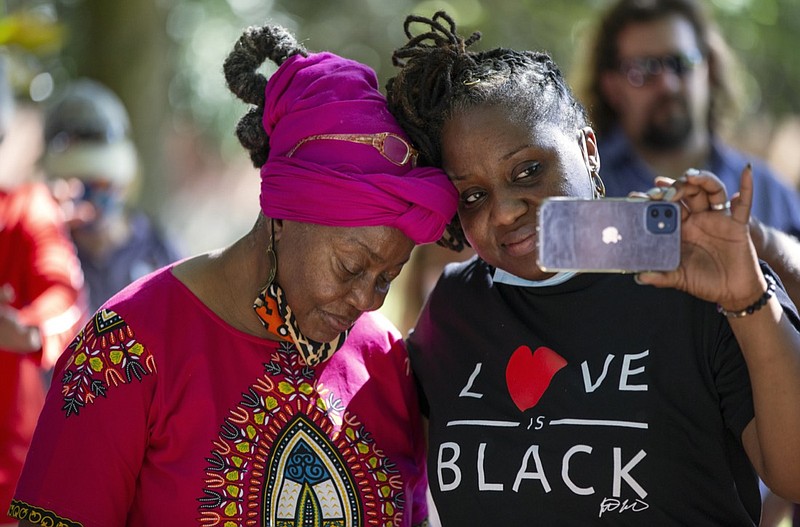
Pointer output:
x,y
105,353
289,454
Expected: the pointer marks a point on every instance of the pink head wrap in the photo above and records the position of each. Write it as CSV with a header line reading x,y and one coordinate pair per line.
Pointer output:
x,y
340,183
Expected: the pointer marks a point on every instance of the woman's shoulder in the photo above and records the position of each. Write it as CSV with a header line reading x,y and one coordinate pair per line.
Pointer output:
x,y
473,270
147,292
152,307
375,328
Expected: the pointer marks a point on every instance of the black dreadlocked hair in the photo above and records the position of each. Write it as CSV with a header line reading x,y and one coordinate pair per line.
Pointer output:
x,y
439,77
255,45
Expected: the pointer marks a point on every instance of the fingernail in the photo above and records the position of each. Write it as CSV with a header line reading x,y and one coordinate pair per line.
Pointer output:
x,y
638,277
665,179
655,193
692,172
669,193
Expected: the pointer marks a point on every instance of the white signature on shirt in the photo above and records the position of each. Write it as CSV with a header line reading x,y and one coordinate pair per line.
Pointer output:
x,y
620,506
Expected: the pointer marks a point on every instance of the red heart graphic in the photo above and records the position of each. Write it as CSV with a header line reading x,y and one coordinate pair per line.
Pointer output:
x,y
528,374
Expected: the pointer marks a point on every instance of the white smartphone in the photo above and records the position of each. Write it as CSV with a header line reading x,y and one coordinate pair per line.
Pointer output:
x,y
612,235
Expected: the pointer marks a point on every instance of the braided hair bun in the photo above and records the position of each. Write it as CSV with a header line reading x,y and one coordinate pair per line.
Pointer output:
x,y
255,45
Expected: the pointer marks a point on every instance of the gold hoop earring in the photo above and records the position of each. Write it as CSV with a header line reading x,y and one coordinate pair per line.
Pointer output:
x,y
599,186
272,257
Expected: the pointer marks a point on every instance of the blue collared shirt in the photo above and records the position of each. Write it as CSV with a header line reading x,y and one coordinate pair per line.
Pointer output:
x,y
774,202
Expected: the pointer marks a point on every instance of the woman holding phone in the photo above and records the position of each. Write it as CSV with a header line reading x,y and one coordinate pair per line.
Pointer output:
x,y
576,398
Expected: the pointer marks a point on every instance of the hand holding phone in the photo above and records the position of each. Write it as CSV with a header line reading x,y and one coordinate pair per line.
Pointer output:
x,y
614,235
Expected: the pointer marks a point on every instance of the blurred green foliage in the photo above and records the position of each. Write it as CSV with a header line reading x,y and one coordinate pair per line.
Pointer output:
x,y
763,33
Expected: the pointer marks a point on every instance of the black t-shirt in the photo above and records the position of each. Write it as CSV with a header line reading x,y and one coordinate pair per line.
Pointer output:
x,y
594,402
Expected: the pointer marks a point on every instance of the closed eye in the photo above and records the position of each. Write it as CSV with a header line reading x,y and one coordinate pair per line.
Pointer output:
x,y
383,284
349,269
385,280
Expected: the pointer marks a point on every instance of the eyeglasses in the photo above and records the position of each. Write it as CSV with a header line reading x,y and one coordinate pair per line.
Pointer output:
x,y
391,146
642,70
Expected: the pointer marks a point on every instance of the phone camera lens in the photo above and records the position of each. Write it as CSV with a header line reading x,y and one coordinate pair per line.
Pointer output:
x,y
668,213
654,212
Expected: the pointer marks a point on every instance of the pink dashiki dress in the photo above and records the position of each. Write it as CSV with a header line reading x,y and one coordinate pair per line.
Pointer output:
x,y
160,413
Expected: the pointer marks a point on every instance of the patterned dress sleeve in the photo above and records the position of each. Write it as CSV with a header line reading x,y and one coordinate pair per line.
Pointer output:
x,y
90,441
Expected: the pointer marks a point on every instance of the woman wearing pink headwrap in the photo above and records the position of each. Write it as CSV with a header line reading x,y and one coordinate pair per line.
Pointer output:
x,y
251,386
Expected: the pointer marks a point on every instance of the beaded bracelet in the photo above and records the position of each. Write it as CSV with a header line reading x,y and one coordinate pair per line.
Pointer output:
x,y
755,306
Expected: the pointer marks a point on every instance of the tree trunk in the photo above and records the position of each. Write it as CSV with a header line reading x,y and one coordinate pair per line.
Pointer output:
x,y
124,45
